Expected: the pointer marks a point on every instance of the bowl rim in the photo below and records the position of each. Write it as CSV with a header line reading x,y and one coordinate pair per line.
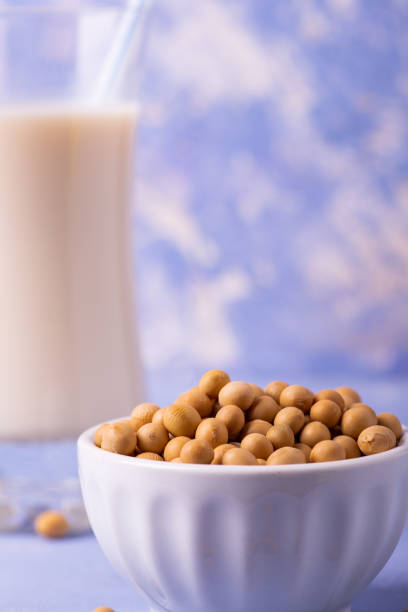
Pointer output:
x,y
85,441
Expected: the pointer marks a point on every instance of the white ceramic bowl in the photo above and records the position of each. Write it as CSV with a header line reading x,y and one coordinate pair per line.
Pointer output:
x,y
289,538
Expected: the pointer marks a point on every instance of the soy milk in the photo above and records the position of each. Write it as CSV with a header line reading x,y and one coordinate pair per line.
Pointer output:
x,y
68,355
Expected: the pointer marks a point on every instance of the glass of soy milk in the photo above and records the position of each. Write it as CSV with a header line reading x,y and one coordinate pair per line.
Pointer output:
x,y
68,344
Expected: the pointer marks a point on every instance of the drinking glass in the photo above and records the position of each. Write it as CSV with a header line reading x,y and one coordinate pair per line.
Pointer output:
x,y
69,352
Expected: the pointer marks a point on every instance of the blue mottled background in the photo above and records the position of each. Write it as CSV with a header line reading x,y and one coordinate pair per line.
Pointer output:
x,y
272,221
271,237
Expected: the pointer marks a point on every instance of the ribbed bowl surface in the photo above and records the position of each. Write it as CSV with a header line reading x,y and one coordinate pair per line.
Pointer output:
x,y
240,539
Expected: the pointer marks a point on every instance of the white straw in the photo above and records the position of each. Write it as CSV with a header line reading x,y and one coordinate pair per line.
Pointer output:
x,y
117,53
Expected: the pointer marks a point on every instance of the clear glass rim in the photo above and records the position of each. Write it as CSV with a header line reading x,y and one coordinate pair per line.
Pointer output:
x,y
17,7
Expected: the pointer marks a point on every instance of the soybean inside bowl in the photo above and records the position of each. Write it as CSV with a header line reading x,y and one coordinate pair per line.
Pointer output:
x,y
209,538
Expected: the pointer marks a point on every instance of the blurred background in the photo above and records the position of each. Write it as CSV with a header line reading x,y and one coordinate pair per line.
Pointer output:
x,y
272,214
270,240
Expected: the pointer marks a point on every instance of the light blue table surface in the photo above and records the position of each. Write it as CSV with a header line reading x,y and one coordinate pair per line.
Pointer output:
x,y
73,575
